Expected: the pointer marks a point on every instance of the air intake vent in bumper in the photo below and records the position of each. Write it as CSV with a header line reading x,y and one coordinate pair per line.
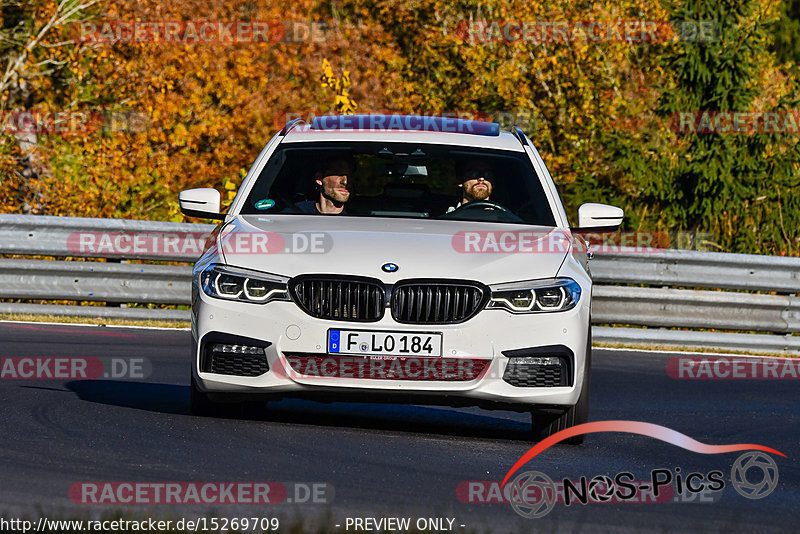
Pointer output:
x,y
227,354
238,364
539,367
528,375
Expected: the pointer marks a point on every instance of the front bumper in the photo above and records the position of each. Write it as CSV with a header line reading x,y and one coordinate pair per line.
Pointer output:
x,y
484,338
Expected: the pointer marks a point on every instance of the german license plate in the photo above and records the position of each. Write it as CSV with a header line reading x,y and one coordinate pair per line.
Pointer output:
x,y
368,342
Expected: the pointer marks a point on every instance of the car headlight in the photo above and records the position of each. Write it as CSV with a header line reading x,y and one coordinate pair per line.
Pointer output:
x,y
231,283
536,296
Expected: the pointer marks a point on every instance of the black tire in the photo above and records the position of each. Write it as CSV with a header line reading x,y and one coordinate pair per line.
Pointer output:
x,y
546,422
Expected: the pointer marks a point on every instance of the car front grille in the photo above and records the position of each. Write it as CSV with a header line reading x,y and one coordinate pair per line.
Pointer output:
x,y
339,298
437,301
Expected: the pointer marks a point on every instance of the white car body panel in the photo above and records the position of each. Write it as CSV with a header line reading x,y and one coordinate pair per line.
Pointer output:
x,y
422,248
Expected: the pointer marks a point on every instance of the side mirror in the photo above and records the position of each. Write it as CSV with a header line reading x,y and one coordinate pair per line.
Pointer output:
x,y
203,202
599,217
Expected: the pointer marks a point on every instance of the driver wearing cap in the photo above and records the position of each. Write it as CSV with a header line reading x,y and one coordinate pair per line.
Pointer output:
x,y
476,178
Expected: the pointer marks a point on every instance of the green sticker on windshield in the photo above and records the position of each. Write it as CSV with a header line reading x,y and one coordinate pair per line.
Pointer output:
x,y
265,204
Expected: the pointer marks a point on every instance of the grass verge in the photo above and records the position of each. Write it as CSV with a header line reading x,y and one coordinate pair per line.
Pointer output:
x,y
100,321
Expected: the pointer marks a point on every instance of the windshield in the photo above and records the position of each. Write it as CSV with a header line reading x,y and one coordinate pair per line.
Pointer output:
x,y
401,180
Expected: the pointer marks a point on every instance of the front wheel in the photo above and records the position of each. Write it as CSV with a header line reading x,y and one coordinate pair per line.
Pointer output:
x,y
546,422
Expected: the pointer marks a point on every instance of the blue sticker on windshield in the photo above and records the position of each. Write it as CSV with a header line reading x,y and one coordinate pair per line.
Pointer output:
x,y
265,204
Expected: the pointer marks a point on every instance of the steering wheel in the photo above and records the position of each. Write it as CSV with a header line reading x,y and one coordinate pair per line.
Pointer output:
x,y
482,204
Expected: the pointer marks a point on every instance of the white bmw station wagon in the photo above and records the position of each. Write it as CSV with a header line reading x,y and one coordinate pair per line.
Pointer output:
x,y
423,260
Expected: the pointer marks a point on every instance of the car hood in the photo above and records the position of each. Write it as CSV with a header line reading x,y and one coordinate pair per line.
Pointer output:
x,y
491,253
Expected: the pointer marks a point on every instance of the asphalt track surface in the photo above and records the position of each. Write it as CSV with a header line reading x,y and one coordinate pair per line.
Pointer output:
x,y
382,460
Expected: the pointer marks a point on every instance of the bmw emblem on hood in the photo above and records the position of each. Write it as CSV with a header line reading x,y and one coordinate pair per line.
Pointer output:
x,y
390,267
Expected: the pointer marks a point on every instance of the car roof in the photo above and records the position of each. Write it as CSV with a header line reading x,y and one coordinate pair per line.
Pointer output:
x,y
402,129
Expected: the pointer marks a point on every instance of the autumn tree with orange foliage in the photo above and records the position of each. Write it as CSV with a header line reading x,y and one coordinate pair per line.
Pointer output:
x,y
209,107
592,108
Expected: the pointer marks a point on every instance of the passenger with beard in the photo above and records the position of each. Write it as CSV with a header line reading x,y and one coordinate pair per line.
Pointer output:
x,y
331,179
476,178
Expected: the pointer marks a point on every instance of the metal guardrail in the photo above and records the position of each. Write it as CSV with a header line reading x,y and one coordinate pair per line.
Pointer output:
x,y
658,307
688,268
619,297
84,281
93,281
43,235
728,341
